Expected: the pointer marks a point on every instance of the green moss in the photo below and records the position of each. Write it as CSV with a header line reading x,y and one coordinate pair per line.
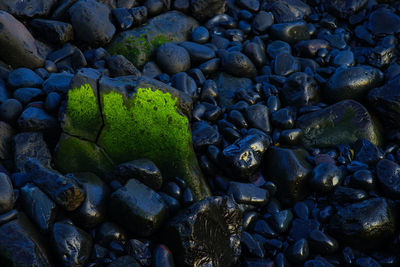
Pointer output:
x,y
138,49
76,155
82,116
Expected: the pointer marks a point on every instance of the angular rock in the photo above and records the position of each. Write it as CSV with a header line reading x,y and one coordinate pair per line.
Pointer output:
x,y
285,64
36,119
342,123
72,245
6,194
367,152
366,224
258,117
289,169
138,208
92,211
300,89
17,45
203,135
139,44
64,190
242,158
21,244
53,31
39,207
121,66
227,85
77,155
194,239
30,145
91,21
352,83
143,170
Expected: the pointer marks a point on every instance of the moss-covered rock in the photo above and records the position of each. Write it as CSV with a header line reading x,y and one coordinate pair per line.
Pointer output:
x,y
139,44
82,115
77,155
147,124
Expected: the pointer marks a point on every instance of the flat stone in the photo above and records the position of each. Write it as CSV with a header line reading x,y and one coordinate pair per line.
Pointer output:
x,y
138,208
290,32
342,123
247,193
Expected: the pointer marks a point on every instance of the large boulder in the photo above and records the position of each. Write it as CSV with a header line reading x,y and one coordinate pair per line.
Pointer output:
x,y
139,44
208,232
28,9
342,123
17,45
146,125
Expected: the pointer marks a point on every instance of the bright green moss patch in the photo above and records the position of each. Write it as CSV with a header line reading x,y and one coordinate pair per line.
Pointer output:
x,y
82,115
146,125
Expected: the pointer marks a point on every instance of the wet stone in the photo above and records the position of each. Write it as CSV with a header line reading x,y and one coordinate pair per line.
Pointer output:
x,y
288,10
310,48
302,228
203,135
72,245
39,207
325,177
140,250
143,170
21,244
346,8
135,202
219,242
198,53
300,89
262,21
242,158
251,246
352,83
281,221
238,65
289,169
173,58
344,195
108,232
365,224
284,118
291,32
322,243
367,152
258,117
162,256
285,64
298,252
63,190
363,179
247,193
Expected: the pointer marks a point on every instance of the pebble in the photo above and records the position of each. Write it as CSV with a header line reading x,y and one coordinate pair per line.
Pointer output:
x,y
300,89
298,252
247,193
173,58
258,117
10,110
238,65
325,177
24,77
290,32
162,257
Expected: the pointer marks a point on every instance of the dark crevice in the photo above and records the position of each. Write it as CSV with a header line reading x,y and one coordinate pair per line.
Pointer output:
x,y
100,108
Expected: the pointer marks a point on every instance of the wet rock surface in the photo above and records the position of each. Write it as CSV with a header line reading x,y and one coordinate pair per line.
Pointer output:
x,y
199,132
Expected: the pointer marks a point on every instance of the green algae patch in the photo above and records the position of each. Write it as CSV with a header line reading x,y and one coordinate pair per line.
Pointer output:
x,y
82,116
76,155
149,125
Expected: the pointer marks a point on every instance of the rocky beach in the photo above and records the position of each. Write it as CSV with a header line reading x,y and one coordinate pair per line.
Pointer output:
x,y
199,133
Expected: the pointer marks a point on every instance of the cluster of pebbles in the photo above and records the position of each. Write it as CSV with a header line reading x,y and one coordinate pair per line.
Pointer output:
x,y
295,124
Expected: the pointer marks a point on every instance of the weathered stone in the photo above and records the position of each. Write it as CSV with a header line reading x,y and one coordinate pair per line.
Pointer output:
x,y
195,240
342,123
